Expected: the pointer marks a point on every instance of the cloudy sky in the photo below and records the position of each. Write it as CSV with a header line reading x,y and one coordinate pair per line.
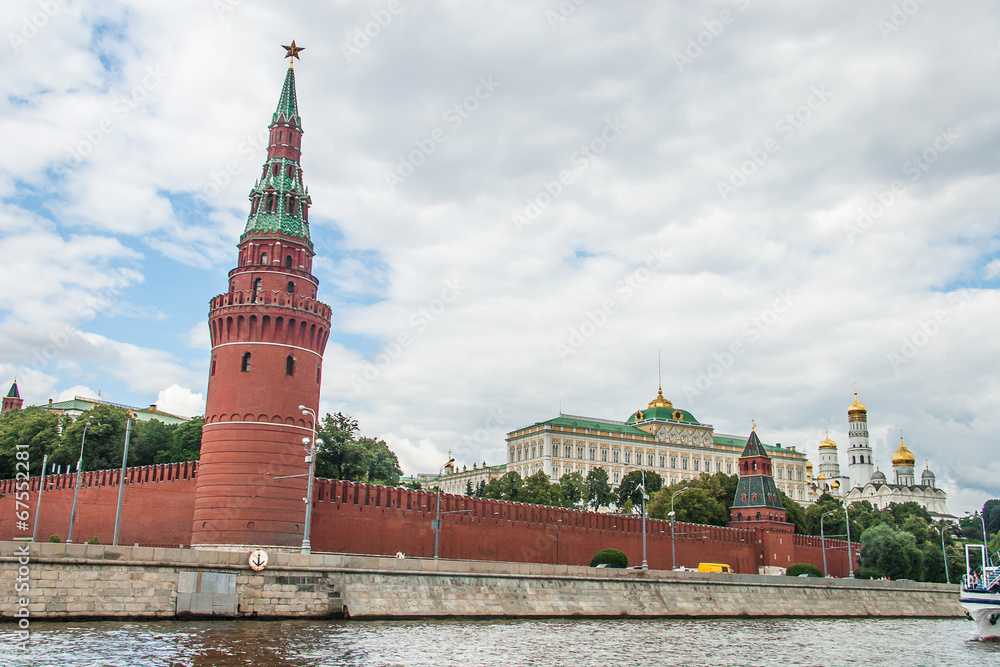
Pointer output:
x,y
536,197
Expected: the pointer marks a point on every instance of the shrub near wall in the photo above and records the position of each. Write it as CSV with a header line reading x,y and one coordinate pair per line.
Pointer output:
x,y
803,568
609,556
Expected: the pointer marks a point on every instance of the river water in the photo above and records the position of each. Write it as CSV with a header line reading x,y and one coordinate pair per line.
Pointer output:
x,y
569,643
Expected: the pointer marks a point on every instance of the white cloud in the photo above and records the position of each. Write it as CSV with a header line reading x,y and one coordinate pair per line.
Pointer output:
x,y
860,293
180,401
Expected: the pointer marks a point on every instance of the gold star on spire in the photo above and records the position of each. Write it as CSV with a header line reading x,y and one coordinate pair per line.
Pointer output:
x,y
292,52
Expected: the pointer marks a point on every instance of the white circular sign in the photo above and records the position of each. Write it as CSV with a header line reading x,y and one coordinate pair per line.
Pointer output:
x,y
258,560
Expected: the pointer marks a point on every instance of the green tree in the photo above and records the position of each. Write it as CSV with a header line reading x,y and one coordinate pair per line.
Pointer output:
x,y
696,505
991,514
892,551
599,493
469,491
572,490
794,513
185,442
538,490
148,439
509,487
481,489
630,488
105,439
383,465
36,430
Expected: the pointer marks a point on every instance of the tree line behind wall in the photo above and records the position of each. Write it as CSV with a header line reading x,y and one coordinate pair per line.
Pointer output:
x,y
344,455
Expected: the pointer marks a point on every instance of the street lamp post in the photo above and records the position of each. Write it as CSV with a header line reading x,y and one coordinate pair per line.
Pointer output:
x,y
982,521
645,565
822,538
76,484
673,548
850,556
437,520
121,478
944,553
311,443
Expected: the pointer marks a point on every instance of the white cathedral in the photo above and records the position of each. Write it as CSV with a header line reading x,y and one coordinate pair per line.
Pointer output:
x,y
867,482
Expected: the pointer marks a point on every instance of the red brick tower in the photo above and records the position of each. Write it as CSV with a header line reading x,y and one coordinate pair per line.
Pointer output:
x,y
268,336
13,400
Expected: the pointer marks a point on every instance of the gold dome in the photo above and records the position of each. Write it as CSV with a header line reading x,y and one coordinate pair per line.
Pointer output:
x,y
809,465
660,402
903,456
828,443
857,407
835,485
821,477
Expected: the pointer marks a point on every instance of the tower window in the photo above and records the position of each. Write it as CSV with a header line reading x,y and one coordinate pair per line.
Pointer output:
x,y
279,135
319,369
291,287
253,206
288,262
256,285
245,366
263,258
290,365
213,365
290,171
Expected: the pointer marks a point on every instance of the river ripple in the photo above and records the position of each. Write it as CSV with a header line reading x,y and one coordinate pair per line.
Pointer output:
x,y
569,643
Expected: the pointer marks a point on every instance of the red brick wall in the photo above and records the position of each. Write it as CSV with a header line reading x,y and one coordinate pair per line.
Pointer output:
x,y
368,519
156,509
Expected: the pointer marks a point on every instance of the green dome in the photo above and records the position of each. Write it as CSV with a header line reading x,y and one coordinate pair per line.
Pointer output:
x,y
662,414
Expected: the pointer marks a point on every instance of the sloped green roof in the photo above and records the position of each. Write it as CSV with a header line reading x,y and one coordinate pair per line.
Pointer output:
x,y
592,424
13,393
661,413
288,105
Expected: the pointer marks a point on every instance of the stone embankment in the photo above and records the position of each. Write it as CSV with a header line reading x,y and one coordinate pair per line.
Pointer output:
x,y
82,581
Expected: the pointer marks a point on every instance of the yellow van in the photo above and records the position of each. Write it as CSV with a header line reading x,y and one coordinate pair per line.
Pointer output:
x,y
714,567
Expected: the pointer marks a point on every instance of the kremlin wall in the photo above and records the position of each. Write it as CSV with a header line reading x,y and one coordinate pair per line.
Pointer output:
x,y
355,518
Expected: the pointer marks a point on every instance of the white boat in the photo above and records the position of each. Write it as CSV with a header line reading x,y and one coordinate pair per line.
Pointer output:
x,y
980,593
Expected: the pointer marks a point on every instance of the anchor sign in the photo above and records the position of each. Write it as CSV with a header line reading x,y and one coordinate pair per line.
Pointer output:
x,y
258,560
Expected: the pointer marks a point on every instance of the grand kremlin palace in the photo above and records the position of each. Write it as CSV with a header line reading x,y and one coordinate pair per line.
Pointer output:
x,y
659,437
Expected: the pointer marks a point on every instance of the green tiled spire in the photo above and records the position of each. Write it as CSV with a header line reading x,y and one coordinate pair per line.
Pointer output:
x,y
288,105
279,200
13,393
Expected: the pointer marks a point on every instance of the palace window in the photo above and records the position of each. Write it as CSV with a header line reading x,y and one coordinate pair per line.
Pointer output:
x,y
673,462
663,461
729,467
604,455
649,460
779,473
798,474
614,456
593,453
616,478
579,453
533,450
245,365
696,463
718,466
569,451
628,456
684,463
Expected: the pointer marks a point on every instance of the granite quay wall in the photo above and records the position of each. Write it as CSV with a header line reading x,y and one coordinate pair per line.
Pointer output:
x,y
351,517
92,581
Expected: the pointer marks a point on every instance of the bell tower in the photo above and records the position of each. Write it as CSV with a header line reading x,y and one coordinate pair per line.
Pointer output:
x,y
268,336
861,466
